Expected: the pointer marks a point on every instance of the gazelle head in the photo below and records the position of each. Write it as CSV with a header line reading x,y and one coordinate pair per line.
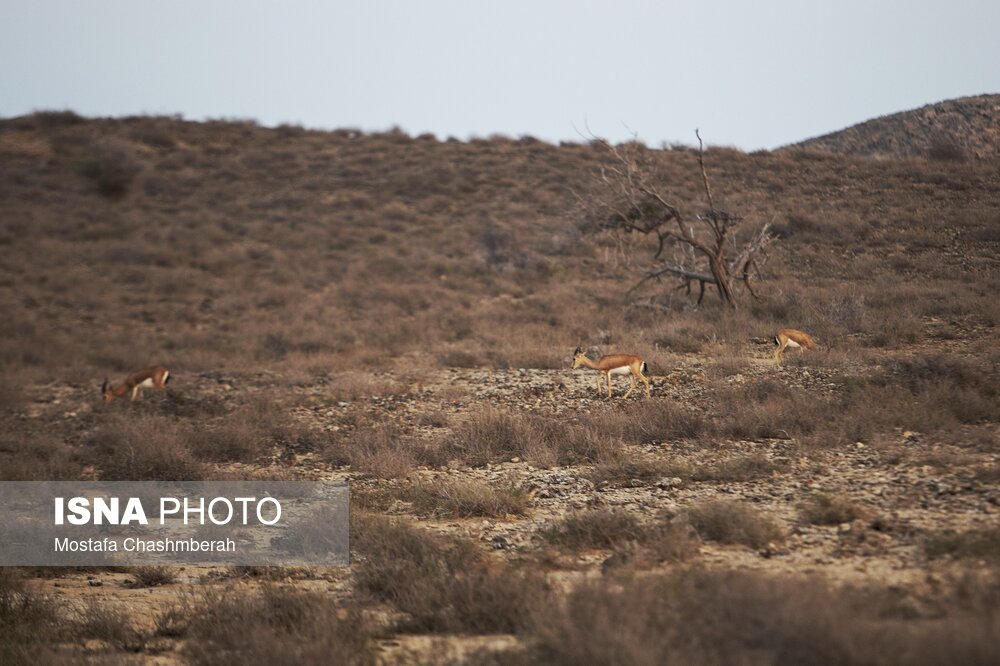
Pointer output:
x,y
578,357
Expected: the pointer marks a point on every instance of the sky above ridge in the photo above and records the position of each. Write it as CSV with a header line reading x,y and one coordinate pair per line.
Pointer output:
x,y
749,75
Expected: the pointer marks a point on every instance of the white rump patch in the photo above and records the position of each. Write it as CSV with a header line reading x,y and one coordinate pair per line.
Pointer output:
x,y
623,370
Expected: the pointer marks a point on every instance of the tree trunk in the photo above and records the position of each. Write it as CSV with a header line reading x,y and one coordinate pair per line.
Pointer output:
x,y
722,280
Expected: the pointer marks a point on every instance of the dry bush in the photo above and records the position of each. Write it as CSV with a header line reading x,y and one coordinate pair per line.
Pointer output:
x,y
384,451
626,470
353,385
968,388
824,509
738,468
28,620
151,576
253,430
977,543
767,409
112,623
129,447
595,528
465,499
266,626
732,522
111,164
443,584
26,455
650,421
713,618
492,435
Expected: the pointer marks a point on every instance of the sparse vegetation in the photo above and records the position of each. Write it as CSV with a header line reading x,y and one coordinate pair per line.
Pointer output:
x,y
442,584
979,543
400,312
464,499
152,576
825,509
733,523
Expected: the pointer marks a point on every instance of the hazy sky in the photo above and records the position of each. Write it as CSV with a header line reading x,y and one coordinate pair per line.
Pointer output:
x,y
753,74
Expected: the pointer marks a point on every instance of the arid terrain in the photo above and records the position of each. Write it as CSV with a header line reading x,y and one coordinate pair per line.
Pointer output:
x,y
402,312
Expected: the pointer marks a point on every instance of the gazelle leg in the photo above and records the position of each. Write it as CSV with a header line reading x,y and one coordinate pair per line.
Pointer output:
x,y
135,392
607,378
646,382
779,350
631,388
598,383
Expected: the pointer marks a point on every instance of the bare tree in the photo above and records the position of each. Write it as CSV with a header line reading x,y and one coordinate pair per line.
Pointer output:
x,y
703,250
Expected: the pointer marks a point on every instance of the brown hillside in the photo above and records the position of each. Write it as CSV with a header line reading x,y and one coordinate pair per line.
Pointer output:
x,y
963,128
400,312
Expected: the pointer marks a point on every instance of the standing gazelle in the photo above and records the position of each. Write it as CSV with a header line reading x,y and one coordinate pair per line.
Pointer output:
x,y
790,337
156,376
614,364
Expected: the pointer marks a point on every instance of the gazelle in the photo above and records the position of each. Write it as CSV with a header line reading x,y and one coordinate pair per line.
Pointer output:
x,y
156,376
790,337
614,364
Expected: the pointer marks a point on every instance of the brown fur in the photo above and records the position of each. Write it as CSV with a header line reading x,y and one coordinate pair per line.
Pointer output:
x,y
609,362
157,373
801,338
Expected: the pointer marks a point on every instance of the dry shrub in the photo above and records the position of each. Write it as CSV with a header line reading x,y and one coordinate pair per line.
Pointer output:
x,y
136,447
738,468
968,388
977,543
595,528
732,523
273,624
636,545
650,421
151,576
824,509
492,435
354,385
108,622
714,618
443,584
28,620
766,409
253,430
111,164
36,456
625,470
465,499
383,451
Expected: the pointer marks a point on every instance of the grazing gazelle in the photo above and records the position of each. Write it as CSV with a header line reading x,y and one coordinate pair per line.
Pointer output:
x,y
156,376
614,364
790,337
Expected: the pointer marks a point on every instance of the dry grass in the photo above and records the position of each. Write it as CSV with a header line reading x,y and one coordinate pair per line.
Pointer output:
x,y
981,544
738,468
713,618
274,624
631,471
466,499
384,451
28,621
596,528
139,447
491,435
649,421
441,584
152,576
825,509
733,523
